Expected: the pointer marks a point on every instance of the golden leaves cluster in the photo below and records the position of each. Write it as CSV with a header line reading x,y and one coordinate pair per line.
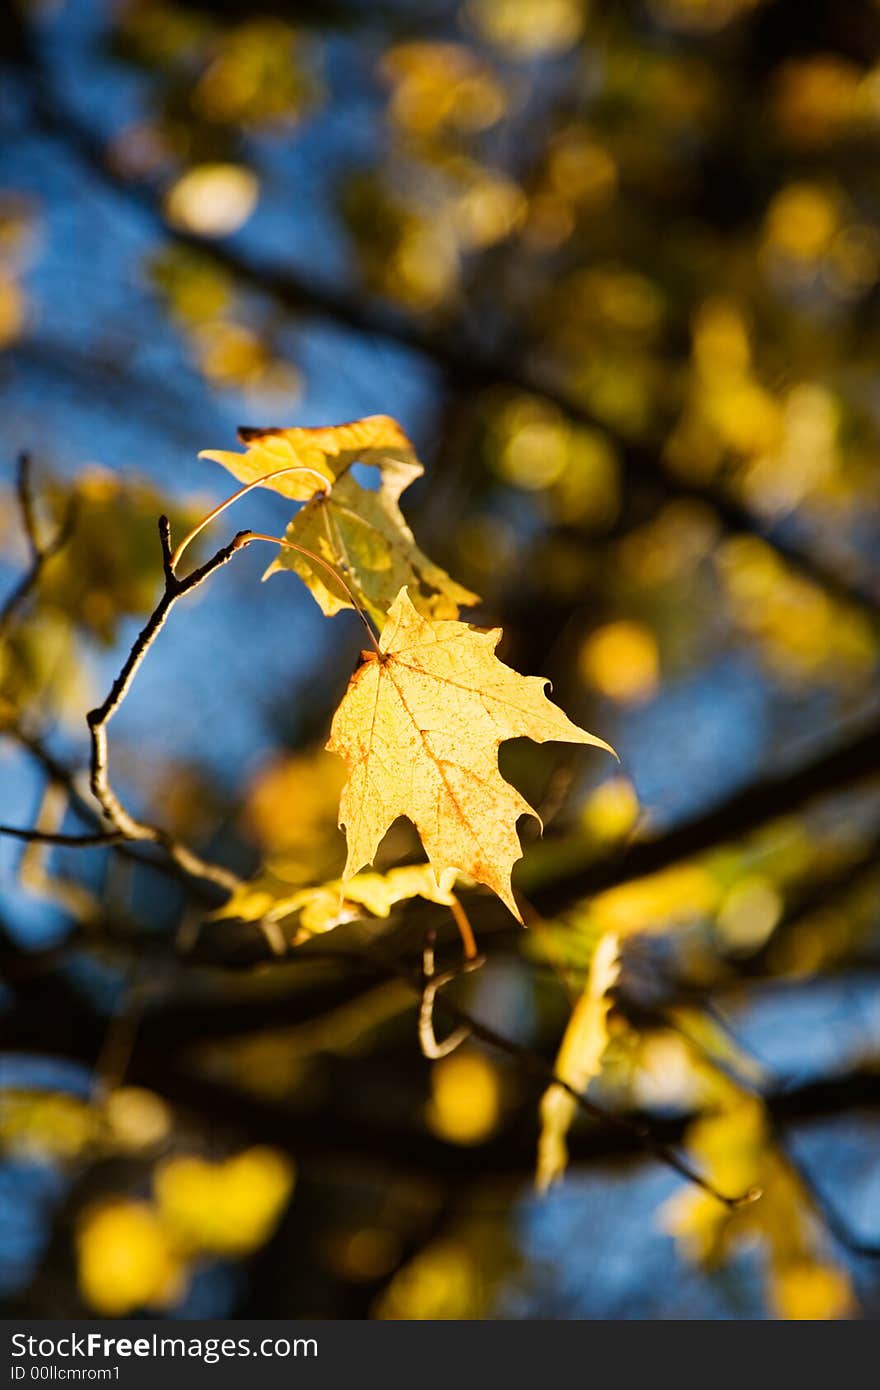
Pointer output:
x,y
352,528
425,712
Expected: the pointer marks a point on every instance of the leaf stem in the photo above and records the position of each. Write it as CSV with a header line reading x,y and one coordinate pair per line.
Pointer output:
x,y
248,536
465,930
242,492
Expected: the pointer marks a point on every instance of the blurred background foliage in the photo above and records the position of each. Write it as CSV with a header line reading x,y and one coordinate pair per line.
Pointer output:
x,y
615,268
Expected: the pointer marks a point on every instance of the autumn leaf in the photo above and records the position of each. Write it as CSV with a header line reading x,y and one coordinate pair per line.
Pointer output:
x,y
323,906
361,532
579,1059
419,729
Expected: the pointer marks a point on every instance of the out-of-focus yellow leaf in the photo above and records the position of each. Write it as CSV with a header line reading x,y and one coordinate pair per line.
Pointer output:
x,y
212,200
681,894
801,633
406,250
38,665
579,1059
749,912
13,310
815,98
801,222
439,86
528,27
419,729
440,1283
137,1118
324,906
46,1124
291,809
621,661
734,1148
363,533
196,290
465,1098
453,1277
487,210
812,1291
260,73
111,566
230,354
127,1259
612,810
227,1208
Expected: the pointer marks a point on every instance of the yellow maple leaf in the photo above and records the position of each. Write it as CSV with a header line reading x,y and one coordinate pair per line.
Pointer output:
x,y
358,531
419,729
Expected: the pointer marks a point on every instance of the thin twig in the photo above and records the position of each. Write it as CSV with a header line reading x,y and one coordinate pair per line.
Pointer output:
x,y
248,536
533,1062
98,719
128,826
827,1211
432,983
465,930
40,553
61,775
242,492
33,875
53,837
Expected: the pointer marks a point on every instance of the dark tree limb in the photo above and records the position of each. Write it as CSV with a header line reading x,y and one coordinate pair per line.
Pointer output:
x,y
54,837
745,810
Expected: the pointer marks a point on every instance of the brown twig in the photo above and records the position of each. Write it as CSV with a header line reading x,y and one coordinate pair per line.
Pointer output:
x,y
54,837
431,1048
534,1063
824,1207
122,821
59,774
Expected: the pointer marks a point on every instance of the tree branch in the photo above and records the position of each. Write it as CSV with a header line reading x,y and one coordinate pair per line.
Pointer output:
x,y
125,824
763,800
61,775
53,837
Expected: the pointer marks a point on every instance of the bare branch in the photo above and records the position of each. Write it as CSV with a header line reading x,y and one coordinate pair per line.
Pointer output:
x,y
826,1209
60,774
128,826
52,837
532,1062
765,799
